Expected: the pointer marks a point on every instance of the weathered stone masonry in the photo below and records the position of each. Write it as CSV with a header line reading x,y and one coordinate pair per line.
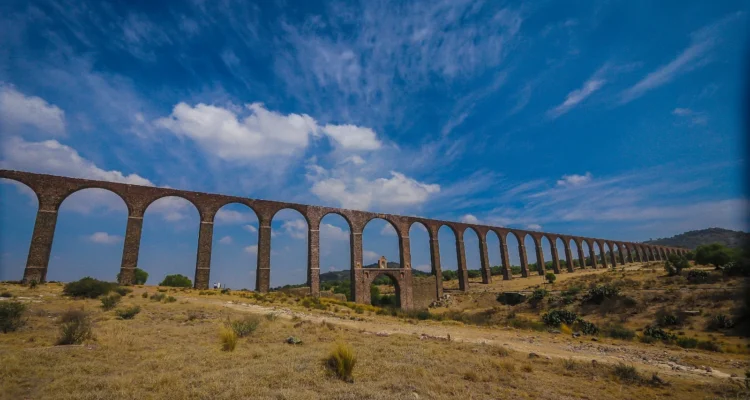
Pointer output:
x,y
52,190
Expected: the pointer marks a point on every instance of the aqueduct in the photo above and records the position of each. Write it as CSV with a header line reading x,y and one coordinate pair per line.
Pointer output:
x,y
51,190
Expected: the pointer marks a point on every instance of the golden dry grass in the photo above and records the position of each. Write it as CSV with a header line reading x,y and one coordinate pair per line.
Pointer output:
x,y
171,351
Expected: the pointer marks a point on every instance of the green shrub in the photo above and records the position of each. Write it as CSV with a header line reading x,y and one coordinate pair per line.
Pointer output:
x,y
449,275
75,327
224,291
170,299
557,317
110,301
33,284
620,332
11,315
122,291
626,373
341,361
600,293
715,253
697,276
158,296
719,322
474,273
550,277
537,295
6,294
709,345
140,277
737,268
245,326
128,313
511,298
658,333
586,327
176,280
88,287
145,295
686,342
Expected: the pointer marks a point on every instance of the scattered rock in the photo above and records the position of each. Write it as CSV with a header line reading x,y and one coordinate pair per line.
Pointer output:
x,y
554,331
533,355
594,339
576,334
383,333
293,340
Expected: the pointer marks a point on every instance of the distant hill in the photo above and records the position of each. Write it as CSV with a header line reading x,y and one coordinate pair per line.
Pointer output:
x,y
337,276
693,239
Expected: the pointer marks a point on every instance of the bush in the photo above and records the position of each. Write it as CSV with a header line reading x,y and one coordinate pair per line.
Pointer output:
x,y
557,317
88,287
709,346
715,253
128,313
75,327
550,277
110,301
687,343
122,291
33,284
511,298
228,338
145,295
246,326
620,332
658,334
474,273
140,278
449,275
627,373
158,296
737,269
11,314
170,299
6,294
719,322
586,327
176,280
600,293
697,276
341,362
537,295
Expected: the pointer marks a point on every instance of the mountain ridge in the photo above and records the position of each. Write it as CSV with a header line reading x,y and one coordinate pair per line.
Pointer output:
x,y
693,239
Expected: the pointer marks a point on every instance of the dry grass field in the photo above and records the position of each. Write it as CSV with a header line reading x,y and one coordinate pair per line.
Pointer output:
x,y
172,350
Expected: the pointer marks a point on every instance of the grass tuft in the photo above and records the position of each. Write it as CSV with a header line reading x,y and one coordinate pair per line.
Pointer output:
x,y
11,313
245,326
75,327
109,301
341,362
228,338
128,313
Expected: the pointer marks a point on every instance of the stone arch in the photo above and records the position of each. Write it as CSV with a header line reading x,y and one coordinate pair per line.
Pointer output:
x,y
329,249
562,247
596,252
99,254
401,279
475,253
611,257
164,194
153,236
332,212
494,253
451,257
548,252
234,246
81,188
588,251
389,230
288,264
17,226
426,289
533,252
578,257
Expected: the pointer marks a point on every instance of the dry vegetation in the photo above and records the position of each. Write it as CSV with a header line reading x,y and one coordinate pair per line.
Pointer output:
x,y
176,349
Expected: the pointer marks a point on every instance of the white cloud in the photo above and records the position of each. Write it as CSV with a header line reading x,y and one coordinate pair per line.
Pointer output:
x,y
361,193
251,249
355,159
470,219
368,256
250,228
333,232
692,117
534,227
104,238
352,137
17,109
226,240
695,55
296,228
388,230
234,217
577,96
574,180
423,268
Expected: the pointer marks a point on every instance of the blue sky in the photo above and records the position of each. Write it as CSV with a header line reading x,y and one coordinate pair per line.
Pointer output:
x,y
619,120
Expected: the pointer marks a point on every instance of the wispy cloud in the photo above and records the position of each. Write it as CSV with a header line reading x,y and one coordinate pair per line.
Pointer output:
x,y
577,96
702,42
691,116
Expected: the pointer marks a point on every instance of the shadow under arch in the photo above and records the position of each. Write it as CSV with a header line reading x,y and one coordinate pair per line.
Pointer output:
x,y
515,257
562,255
426,281
335,254
398,279
473,255
234,247
89,236
19,205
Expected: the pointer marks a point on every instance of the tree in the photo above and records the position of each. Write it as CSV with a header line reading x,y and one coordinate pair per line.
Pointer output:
x,y
141,277
714,253
176,280
550,277
675,264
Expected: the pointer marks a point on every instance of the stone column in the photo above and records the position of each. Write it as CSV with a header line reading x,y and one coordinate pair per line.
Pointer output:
x,y
263,274
463,273
313,259
555,258
130,249
539,256
592,254
435,261
405,251
41,244
569,256
621,250
523,259
603,253
507,273
485,261
357,275
612,256
203,259
581,256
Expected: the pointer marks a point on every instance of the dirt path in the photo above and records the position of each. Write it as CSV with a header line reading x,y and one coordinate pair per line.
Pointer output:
x,y
665,361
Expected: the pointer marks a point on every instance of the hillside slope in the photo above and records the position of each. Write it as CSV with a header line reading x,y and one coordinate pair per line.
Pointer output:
x,y
693,239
